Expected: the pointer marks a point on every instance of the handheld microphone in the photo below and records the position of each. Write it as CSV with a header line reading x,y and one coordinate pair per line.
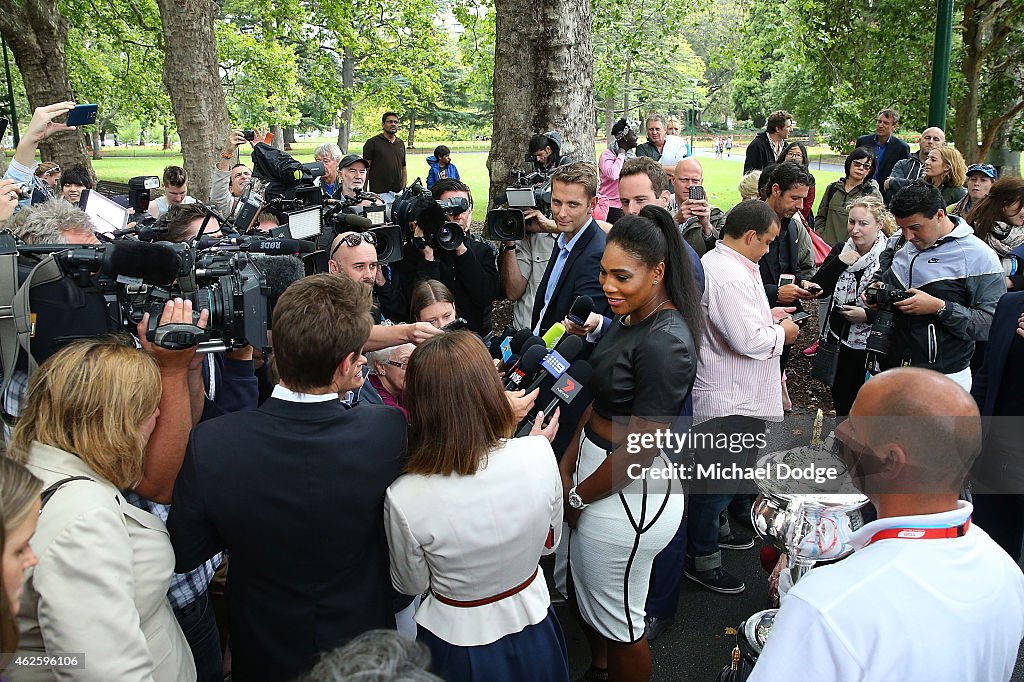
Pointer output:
x,y
552,335
556,362
565,390
530,342
580,310
152,263
529,365
514,345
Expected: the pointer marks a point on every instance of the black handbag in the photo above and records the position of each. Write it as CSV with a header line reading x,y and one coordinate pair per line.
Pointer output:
x,y
826,360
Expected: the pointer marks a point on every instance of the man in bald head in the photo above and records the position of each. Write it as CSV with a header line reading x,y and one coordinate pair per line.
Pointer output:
x,y
699,221
926,595
908,170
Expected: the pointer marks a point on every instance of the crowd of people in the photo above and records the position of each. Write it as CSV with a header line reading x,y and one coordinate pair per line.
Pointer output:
x,y
378,494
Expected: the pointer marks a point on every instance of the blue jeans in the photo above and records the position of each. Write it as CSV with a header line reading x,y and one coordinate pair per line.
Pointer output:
x,y
709,499
200,627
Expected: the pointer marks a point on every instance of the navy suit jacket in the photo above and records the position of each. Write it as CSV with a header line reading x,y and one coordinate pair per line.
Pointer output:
x,y
988,381
295,493
579,277
895,150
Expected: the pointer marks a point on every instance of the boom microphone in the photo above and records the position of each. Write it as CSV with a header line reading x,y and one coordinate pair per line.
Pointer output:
x,y
356,222
280,271
153,263
278,246
580,310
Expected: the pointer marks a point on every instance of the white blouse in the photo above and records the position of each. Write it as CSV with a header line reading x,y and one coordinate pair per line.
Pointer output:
x,y
473,537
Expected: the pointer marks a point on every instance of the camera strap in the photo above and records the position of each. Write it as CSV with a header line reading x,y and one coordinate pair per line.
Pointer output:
x,y
20,334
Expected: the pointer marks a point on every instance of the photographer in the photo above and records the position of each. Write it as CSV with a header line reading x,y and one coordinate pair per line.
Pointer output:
x,y
546,150
944,301
470,271
23,166
230,179
352,170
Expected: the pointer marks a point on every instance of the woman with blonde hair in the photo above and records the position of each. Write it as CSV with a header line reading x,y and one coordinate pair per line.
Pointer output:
x,y
844,276
100,586
19,510
945,168
470,519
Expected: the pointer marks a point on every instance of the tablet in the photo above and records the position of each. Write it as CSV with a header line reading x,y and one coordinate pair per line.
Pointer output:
x,y
107,215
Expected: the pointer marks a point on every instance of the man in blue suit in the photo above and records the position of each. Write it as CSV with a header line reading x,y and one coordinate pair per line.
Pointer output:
x,y
576,259
295,492
998,473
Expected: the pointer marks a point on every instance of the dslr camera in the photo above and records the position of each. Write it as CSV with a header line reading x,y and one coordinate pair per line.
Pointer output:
x,y
528,190
884,296
416,207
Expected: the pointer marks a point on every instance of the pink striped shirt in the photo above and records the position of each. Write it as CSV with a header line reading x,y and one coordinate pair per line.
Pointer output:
x,y
738,372
610,164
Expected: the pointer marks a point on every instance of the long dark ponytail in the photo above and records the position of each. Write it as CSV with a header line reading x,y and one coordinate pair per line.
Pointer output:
x,y
654,238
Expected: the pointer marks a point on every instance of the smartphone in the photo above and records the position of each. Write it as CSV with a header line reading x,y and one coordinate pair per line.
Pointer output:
x,y
814,288
455,325
786,279
82,115
696,192
799,316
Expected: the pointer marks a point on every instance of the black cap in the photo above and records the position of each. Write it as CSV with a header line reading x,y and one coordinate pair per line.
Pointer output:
x,y
349,159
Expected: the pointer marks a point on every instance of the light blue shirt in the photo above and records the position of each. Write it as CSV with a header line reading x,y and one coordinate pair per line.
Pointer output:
x,y
564,249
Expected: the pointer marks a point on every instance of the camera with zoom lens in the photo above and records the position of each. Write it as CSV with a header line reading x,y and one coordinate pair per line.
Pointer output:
x,y
344,215
416,207
884,296
528,190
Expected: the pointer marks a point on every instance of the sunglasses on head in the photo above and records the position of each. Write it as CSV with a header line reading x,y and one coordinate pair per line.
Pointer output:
x,y
355,239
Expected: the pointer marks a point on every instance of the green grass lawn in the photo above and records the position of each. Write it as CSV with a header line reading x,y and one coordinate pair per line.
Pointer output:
x,y
720,175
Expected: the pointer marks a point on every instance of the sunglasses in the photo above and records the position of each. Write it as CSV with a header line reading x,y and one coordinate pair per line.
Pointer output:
x,y
355,239
399,364
861,164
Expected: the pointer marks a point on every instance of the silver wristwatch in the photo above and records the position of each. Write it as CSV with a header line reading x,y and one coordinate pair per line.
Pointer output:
x,y
575,501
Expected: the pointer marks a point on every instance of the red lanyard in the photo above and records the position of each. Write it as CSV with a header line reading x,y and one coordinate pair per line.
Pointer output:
x,y
921,533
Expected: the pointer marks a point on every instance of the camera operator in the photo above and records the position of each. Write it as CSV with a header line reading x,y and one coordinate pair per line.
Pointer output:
x,y
184,222
230,180
546,150
470,271
953,289
352,170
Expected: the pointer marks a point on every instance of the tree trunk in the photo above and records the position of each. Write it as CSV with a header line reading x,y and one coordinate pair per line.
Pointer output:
x,y
37,33
289,138
348,79
277,142
142,136
192,77
167,137
411,142
625,89
97,144
965,130
542,56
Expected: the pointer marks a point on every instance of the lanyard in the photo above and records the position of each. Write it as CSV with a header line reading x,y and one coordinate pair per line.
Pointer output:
x,y
921,533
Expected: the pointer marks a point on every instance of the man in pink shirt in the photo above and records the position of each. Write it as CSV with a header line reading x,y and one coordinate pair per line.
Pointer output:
x,y
738,386
621,146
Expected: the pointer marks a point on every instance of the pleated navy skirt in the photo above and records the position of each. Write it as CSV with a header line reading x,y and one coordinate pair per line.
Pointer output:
x,y
537,654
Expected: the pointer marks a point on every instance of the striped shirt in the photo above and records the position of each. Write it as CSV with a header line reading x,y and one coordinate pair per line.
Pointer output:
x,y
738,372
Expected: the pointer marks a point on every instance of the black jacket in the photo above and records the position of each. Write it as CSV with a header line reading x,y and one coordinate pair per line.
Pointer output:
x,y
472,278
760,154
783,258
579,276
295,493
895,150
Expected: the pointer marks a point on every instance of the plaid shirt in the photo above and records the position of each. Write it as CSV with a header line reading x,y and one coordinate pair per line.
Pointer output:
x,y
185,588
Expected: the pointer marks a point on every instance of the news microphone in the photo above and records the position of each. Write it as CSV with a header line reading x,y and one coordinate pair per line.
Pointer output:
x,y
495,340
556,362
580,310
552,335
528,366
277,246
565,390
152,263
513,344
357,222
530,343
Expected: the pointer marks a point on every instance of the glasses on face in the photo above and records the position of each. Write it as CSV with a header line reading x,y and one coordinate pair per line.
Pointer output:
x,y
398,363
391,122
355,239
861,164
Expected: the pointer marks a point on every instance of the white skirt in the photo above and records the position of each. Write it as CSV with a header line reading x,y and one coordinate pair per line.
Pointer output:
x,y
612,548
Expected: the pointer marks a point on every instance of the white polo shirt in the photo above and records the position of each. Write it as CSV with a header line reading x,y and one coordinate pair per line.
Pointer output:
x,y
908,610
